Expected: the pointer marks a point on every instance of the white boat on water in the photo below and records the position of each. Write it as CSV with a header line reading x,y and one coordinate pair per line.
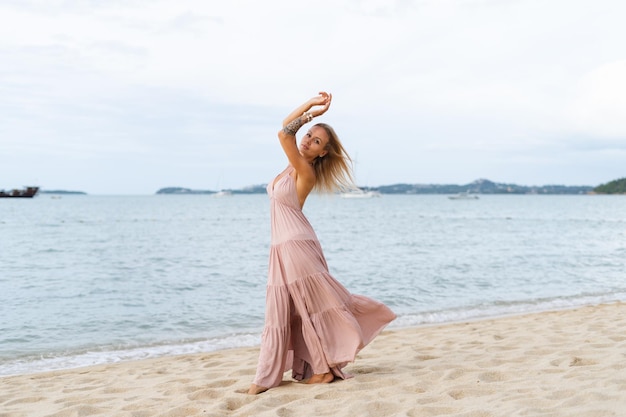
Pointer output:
x,y
463,196
359,193
222,193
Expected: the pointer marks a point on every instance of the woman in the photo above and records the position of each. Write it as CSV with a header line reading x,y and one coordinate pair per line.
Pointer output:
x,y
313,325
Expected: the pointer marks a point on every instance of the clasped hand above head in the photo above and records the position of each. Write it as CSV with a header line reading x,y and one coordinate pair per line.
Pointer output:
x,y
323,99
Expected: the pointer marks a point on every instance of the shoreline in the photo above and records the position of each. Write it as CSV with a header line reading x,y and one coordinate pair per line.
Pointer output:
x,y
89,358
553,363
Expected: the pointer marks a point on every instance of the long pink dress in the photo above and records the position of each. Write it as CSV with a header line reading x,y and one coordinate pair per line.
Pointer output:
x,y
313,325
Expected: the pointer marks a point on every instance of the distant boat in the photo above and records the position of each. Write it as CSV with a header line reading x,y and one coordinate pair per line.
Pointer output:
x,y
28,192
222,193
359,193
463,196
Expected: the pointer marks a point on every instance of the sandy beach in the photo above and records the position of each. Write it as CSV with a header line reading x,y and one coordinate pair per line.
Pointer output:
x,y
560,363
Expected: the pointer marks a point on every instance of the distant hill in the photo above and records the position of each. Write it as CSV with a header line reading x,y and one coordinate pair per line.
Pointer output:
x,y
480,186
181,190
253,189
62,192
614,187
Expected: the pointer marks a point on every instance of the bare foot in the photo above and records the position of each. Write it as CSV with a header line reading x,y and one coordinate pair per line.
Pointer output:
x,y
255,389
321,378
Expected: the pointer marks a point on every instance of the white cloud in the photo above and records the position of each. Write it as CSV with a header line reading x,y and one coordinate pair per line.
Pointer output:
x,y
600,106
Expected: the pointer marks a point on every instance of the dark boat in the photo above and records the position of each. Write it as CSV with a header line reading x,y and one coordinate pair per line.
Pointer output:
x,y
28,192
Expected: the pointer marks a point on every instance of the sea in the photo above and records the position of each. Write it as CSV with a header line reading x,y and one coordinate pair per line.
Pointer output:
x,y
87,279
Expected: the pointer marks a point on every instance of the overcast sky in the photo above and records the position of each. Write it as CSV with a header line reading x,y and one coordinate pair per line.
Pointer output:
x,y
128,96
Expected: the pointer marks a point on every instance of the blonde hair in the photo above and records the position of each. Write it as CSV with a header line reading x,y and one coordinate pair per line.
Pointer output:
x,y
333,171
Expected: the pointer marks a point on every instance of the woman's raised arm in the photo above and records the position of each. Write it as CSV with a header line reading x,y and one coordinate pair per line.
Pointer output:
x,y
303,114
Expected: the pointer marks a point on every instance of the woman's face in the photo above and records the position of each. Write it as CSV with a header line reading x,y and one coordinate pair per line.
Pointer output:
x,y
313,143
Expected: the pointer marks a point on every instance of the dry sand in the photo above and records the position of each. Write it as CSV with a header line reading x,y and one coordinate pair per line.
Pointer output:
x,y
563,363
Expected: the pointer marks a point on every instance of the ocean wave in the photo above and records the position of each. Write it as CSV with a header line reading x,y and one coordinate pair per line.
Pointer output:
x,y
508,308
45,363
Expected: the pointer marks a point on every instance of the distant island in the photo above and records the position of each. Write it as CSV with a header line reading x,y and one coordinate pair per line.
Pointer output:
x,y
254,189
614,187
62,192
480,186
